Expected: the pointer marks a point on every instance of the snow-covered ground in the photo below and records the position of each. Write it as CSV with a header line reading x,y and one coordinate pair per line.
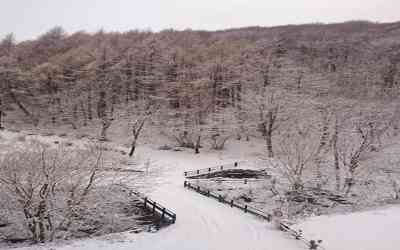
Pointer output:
x,y
369,230
205,224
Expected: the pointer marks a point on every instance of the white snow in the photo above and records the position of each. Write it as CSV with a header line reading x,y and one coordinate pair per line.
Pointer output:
x,y
205,224
368,230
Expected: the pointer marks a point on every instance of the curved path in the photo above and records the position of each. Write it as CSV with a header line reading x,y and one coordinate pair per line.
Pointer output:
x,y
202,223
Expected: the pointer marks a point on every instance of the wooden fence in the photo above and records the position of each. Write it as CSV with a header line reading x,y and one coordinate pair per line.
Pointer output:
x,y
204,171
165,215
297,234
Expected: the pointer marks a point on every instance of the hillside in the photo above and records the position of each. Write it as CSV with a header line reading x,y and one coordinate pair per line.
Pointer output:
x,y
315,108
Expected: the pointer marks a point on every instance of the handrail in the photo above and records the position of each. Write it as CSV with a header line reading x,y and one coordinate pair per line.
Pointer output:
x,y
311,244
212,169
155,207
162,211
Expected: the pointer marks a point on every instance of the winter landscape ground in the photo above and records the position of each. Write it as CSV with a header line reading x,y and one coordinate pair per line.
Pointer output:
x,y
205,224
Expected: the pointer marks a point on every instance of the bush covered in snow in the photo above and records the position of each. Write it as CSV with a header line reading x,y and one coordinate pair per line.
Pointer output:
x,y
49,193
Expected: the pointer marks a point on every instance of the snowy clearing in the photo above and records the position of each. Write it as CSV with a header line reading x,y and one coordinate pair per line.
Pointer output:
x,y
203,223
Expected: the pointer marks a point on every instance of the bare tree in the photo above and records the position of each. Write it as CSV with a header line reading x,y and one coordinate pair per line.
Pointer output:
x,y
48,186
353,147
298,148
269,107
137,128
335,151
323,147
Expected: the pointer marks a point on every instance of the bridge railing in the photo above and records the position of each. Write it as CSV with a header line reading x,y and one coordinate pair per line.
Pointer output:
x,y
297,234
165,214
209,170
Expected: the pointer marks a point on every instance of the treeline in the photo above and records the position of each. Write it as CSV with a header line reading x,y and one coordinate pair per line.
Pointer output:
x,y
62,77
323,98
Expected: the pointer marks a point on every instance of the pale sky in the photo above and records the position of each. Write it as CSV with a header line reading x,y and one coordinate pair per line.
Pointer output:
x,y
27,19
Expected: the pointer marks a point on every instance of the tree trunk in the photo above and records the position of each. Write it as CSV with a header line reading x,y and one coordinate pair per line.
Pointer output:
x,y
133,147
105,125
1,114
23,108
321,148
268,140
268,131
197,145
89,103
84,114
239,96
336,157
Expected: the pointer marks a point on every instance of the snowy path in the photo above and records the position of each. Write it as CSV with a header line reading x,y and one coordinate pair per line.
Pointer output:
x,y
202,223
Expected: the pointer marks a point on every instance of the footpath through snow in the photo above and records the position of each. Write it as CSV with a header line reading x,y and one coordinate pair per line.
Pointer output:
x,y
204,224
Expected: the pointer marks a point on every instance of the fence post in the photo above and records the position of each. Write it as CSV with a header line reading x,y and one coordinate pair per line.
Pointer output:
x,y
245,208
163,213
185,173
154,207
209,169
145,202
313,245
245,181
208,192
173,219
219,198
184,183
235,164
222,167
231,203
198,171
198,189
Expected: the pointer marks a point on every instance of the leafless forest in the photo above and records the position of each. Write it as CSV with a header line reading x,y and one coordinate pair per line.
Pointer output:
x,y
324,99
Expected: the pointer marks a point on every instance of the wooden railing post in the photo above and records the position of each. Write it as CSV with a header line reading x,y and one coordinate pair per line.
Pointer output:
x,y
235,164
198,171
145,202
208,192
163,213
154,207
313,245
231,203
185,173
173,219
184,183
222,167
245,208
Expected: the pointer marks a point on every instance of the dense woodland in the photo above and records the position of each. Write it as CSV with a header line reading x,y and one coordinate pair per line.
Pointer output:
x,y
234,82
197,85
62,76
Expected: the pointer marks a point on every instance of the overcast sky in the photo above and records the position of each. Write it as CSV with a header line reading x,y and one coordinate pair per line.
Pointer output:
x,y
29,18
